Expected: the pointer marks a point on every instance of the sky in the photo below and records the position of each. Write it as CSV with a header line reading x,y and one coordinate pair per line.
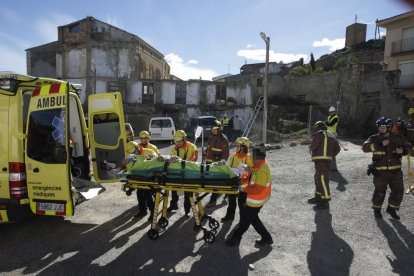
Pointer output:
x,y
199,38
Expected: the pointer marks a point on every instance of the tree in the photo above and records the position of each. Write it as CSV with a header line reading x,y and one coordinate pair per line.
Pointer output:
x,y
312,62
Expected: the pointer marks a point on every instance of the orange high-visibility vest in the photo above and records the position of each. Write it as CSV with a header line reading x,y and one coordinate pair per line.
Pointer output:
x,y
261,176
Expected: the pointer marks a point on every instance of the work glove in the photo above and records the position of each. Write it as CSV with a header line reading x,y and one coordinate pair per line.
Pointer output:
x,y
240,188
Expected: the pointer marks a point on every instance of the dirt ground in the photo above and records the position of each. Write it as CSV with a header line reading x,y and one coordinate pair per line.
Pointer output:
x,y
103,238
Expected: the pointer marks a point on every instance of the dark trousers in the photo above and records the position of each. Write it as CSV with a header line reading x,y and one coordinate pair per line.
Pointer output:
x,y
395,180
175,197
250,216
231,208
145,200
322,170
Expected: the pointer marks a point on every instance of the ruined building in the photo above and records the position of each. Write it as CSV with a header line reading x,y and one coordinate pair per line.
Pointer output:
x,y
99,56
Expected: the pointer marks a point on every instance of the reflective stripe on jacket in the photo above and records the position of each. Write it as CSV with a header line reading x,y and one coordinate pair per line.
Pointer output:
x,y
324,146
150,146
217,148
386,158
259,189
187,152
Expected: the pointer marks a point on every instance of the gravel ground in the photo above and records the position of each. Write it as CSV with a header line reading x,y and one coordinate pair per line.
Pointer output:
x,y
103,238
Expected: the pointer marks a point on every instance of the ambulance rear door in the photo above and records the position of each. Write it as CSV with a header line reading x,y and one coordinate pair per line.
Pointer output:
x,y
47,151
107,135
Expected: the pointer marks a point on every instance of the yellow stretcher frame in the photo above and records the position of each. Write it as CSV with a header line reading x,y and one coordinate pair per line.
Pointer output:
x,y
162,192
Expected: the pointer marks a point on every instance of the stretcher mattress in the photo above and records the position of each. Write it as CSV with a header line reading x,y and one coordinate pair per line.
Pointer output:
x,y
181,172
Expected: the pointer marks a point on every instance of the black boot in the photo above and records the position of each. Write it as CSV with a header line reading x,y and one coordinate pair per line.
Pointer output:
x,y
314,200
390,210
264,242
377,213
172,207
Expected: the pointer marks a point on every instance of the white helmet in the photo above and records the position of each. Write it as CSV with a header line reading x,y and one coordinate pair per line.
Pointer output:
x,y
332,109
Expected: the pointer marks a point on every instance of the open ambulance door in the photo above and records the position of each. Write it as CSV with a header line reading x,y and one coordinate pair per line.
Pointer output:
x,y
107,135
47,152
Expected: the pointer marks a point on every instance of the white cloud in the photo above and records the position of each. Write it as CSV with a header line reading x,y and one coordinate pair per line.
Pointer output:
x,y
192,61
260,55
335,44
46,27
251,46
187,70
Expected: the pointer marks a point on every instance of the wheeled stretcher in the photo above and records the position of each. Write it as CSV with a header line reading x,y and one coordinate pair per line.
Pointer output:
x,y
163,178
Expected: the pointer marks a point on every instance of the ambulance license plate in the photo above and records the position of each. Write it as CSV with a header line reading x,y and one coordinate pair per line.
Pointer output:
x,y
55,207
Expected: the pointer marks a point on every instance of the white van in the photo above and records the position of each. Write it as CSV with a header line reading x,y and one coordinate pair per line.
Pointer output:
x,y
161,128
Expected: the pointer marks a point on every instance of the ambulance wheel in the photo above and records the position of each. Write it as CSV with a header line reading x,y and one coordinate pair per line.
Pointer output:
x,y
163,222
153,234
209,237
197,227
213,223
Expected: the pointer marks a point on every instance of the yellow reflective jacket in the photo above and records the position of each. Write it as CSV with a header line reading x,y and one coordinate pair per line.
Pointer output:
x,y
187,152
259,189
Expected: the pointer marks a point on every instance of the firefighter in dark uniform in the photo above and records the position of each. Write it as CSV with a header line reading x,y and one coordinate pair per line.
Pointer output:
x,y
400,127
323,148
217,150
387,149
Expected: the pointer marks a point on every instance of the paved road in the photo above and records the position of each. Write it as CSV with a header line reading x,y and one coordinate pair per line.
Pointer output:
x,y
103,238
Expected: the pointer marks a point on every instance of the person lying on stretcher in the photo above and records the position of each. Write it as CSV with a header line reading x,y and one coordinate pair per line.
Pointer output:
x,y
150,165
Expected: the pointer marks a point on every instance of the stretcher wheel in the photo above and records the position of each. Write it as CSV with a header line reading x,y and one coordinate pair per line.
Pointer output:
x,y
163,222
213,223
197,227
153,234
128,192
209,237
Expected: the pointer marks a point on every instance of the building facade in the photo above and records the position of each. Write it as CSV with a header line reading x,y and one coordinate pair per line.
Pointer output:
x,y
399,49
98,55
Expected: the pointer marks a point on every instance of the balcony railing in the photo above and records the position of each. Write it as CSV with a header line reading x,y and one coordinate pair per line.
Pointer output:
x,y
407,81
405,45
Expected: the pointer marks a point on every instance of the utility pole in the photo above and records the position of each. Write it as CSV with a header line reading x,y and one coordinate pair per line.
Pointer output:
x,y
266,86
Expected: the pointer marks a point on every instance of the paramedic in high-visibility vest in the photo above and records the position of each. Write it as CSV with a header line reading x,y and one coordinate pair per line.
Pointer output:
x,y
332,124
144,200
144,196
186,151
333,120
257,193
239,160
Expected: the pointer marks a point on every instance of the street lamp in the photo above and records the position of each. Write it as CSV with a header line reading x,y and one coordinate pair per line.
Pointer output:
x,y
266,85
